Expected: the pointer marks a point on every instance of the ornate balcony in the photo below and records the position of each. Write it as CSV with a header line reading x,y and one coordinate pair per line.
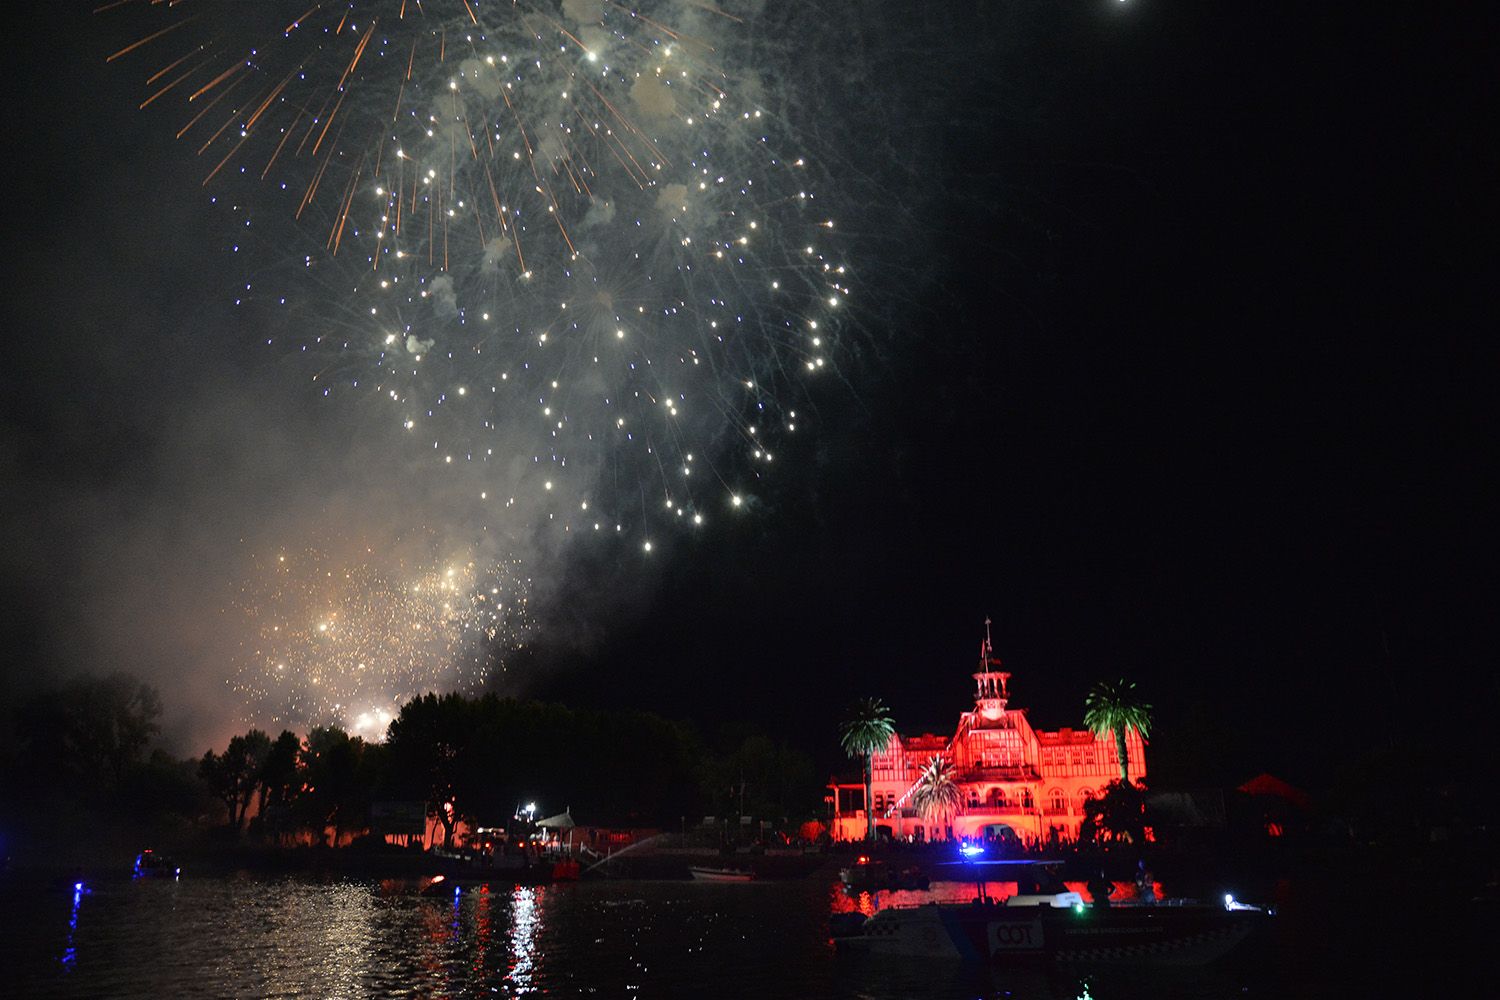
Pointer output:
x,y
1010,772
1000,809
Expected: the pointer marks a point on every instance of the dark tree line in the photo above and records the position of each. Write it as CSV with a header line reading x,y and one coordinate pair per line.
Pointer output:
x,y
83,752
486,755
87,746
88,733
320,785
477,759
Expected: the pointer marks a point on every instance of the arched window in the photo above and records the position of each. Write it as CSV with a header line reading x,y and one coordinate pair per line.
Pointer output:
x,y
1056,800
997,798
1026,802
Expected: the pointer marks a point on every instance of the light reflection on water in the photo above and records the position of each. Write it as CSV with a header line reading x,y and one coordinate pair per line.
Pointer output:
x,y
248,937
524,922
70,953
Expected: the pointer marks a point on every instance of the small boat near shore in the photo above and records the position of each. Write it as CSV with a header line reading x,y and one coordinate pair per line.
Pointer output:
x,y
867,875
702,874
518,869
149,864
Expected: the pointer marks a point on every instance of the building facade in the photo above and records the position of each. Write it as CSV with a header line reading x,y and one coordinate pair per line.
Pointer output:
x,y
1015,780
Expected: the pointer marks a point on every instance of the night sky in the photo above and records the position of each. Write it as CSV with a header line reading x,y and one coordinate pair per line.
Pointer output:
x,y
1182,375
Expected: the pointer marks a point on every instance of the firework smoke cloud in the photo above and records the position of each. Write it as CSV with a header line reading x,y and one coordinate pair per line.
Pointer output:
x,y
568,265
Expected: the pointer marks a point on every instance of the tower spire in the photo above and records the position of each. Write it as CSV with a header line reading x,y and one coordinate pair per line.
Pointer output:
x,y
990,694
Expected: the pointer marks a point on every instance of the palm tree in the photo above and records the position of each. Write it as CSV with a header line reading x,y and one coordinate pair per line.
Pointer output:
x,y
867,730
1116,708
937,796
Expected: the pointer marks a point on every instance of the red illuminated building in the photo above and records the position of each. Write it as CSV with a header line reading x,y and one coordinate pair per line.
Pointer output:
x,y
1015,779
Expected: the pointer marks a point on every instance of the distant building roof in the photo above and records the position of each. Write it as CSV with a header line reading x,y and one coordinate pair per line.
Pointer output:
x,y
1269,784
1189,808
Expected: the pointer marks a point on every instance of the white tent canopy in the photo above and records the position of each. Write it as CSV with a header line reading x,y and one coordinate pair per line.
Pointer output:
x,y
562,821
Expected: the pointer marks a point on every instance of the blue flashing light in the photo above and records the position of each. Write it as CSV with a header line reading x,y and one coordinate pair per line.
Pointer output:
x,y
77,886
971,850
457,889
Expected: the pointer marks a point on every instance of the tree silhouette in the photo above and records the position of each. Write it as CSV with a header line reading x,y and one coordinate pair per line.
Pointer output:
x,y
1115,708
937,796
234,776
865,732
336,792
280,781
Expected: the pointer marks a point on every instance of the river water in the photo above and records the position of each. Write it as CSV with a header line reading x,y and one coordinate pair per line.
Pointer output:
x,y
246,936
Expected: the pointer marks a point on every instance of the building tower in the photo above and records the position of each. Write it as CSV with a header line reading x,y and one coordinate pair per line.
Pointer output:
x,y
991,693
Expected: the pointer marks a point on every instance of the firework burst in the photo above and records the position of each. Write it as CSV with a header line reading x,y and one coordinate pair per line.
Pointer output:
x,y
568,260
567,247
347,641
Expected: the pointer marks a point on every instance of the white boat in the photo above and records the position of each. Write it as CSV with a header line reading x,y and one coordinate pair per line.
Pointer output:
x,y
720,875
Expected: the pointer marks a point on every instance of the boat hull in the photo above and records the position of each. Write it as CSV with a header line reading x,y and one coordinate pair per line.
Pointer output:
x,y
720,875
875,877
985,932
